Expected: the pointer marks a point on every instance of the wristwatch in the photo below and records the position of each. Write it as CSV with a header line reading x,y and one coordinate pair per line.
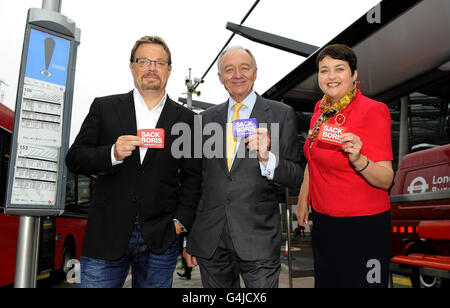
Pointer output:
x,y
183,229
365,167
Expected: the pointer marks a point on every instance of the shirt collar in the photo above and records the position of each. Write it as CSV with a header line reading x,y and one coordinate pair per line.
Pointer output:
x,y
142,106
248,102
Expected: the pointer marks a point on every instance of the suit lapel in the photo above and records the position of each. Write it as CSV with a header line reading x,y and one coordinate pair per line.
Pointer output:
x,y
221,118
126,113
261,111
168,118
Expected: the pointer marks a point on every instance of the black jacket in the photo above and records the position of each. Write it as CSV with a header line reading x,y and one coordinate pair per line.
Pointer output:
x,y
159,190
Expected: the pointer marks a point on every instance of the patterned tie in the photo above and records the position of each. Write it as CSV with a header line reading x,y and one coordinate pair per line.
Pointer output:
x,y
231,140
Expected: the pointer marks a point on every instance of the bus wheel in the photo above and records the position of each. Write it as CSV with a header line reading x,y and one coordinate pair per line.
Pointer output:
x,y
427,282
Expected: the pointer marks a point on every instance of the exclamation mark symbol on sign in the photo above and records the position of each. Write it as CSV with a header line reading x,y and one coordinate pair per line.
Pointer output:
x,y
49,45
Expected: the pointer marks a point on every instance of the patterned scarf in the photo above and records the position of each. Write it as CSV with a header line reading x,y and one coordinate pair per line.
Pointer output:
x,y
329,110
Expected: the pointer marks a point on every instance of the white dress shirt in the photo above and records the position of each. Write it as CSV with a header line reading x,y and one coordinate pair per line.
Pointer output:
x,y
145,119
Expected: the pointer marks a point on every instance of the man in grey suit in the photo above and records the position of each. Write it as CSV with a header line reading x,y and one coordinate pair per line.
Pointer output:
x,y
237,227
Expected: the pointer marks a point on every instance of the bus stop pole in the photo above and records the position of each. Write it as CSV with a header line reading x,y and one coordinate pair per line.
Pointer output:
x,y
52,5
27,255
27,252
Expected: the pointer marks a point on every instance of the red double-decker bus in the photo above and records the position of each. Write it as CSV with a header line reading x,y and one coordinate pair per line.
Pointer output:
x,y
61,238
420,234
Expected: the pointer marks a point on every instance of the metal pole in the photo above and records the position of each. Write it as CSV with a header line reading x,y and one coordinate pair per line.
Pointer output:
x,y
404,128
228,42
191,86
27,255
35,257
189,100
189,93
288,231
27,252
52,5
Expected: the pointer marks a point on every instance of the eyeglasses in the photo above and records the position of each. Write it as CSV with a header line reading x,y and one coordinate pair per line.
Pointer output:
x,y
144,62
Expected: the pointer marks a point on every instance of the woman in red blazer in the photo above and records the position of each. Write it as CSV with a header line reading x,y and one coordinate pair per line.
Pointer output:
x,y
346,184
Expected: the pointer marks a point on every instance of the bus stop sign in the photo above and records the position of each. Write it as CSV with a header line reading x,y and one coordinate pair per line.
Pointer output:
x,y
37,174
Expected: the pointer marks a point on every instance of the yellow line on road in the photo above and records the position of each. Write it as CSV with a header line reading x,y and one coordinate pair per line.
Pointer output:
x,y
43,276
402,281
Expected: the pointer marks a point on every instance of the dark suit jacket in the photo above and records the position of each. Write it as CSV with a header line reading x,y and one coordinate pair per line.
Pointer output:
x,y
243,198
159,190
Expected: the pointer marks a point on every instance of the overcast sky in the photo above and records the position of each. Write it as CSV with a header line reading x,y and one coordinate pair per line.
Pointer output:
x,y
194,30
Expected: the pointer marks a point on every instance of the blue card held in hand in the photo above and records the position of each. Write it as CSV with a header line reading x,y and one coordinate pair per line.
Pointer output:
x,y
245,128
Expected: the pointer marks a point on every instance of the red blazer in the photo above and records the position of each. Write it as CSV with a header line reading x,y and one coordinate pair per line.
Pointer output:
x,y
335,188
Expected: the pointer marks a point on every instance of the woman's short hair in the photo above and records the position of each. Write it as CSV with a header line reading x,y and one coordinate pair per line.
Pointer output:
x,y
151,40
339,52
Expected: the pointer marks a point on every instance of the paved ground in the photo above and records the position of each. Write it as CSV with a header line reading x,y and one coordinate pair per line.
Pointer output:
x,y
195,281
302,265
302,270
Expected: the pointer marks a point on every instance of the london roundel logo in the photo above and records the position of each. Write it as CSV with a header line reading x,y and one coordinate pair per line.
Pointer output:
x,y
418,186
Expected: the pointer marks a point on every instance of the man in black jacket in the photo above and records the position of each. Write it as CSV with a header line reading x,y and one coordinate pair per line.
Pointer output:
x,y
144,196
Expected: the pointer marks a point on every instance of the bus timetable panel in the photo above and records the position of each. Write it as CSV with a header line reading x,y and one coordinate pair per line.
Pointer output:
x,y
37,177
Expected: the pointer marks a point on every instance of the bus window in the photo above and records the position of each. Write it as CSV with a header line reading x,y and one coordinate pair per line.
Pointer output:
x,y
5,143
83,189
78,194
84,193
428,117
70,193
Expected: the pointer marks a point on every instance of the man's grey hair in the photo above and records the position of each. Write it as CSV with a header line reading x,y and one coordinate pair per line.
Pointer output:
x,y
231,48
